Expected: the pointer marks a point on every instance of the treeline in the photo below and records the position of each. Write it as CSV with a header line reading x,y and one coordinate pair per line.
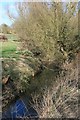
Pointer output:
x,y
49,27
50,31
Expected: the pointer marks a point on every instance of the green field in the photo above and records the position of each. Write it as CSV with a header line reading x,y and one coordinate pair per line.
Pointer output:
x,y
12,37
8,49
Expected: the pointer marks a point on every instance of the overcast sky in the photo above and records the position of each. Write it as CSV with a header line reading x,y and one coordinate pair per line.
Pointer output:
x,y
3,5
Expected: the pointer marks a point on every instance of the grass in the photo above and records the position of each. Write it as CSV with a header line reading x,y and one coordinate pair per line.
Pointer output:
x,y
8,49
11,37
